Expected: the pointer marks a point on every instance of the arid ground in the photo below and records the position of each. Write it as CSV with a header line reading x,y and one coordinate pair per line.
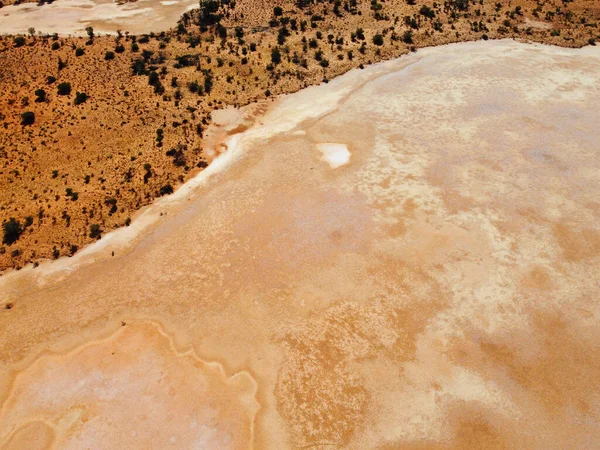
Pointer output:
x,y
73,16
405,257
95,127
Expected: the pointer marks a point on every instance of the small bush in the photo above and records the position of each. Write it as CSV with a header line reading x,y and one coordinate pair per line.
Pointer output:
x,y
166,190
427,12
194,87
12,231
79,51
27,118
19,41
276,56
64,88
208,82
378,40
50,79
138,67
153,79
41,96
109,55
80,97
95,231
147,54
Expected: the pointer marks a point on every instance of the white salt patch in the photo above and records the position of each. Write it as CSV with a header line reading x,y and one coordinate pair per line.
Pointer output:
x,y
336,155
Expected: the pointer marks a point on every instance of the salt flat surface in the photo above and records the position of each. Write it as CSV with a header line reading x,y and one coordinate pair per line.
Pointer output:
x,y
336,155
71,17
438,292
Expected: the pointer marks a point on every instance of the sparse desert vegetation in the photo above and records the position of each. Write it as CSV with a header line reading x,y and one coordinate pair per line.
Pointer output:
x,y
92,128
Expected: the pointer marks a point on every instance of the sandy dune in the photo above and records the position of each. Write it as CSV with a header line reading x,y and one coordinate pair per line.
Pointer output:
x,y
438,290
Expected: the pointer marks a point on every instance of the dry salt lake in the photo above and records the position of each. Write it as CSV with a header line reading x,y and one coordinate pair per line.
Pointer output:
x,y
405,257
105,16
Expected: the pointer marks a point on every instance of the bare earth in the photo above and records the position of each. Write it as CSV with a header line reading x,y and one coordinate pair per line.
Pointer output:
x,y
106,16
437,287
78,169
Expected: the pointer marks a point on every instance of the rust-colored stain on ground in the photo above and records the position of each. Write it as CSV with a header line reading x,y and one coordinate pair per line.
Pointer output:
x,y
436,289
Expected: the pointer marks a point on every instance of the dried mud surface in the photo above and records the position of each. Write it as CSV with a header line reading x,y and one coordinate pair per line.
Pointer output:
x,y
73,16
438,290
77,170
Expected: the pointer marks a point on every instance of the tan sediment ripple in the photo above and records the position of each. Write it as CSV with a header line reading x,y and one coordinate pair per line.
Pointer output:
x,y
133,389
440,290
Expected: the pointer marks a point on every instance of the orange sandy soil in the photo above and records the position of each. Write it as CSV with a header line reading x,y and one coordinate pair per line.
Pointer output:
x,y
98,162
